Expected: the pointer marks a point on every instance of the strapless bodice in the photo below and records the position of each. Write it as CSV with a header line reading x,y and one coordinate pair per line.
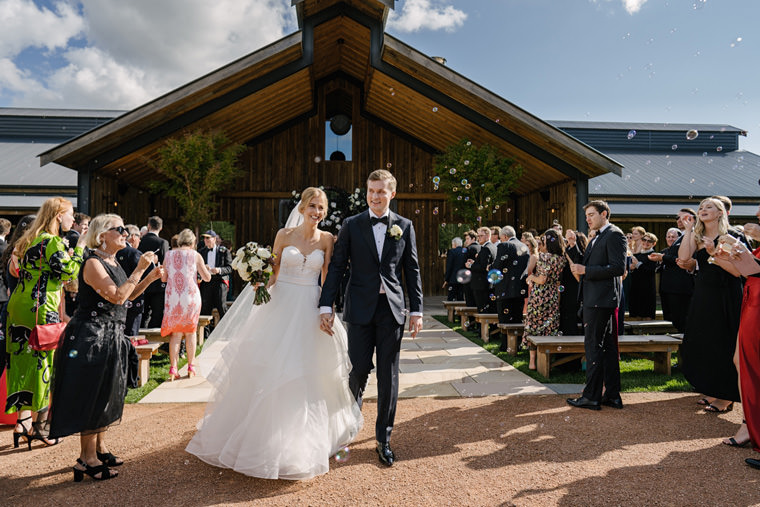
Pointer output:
x,y
298,268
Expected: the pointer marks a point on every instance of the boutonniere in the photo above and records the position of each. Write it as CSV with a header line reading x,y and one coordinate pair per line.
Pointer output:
x,y
395,232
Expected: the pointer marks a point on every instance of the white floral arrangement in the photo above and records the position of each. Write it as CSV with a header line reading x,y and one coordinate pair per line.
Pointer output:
x,y
395,232
254,264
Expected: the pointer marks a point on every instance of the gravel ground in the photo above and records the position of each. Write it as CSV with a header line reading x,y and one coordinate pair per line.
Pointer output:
x,y
524,450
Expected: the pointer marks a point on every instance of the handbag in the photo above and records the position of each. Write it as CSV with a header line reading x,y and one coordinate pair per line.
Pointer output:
x,y
45,336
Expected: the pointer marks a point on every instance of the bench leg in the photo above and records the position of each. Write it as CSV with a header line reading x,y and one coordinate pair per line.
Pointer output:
x,y
201,334
662,362
543,362
512,346
144,367
450,314
485,333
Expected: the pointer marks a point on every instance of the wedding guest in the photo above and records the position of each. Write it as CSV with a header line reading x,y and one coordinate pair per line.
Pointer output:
x,y
529,240
9,267
542,317
575,246
473,248
455,260
153,307
643,292
512,261
218,261
709,339
5,228
495,232
44,264
637,234
70,288
128,258
481,288
91,366
183,299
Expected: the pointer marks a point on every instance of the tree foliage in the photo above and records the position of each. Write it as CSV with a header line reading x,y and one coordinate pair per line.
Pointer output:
x,y
196,167
477,180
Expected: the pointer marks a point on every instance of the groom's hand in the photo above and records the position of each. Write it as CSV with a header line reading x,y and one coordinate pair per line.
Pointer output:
x,y
415,325
326,322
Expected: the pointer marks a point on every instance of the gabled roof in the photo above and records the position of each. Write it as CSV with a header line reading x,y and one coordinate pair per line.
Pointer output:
x,y
276,85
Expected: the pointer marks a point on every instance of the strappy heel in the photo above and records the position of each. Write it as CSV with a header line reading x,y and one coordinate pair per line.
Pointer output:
x,y
190,371
173,375
24,433
103,470
42,437
109,459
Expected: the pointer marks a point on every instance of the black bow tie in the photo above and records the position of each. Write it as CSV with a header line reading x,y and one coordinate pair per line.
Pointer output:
x,y
382,220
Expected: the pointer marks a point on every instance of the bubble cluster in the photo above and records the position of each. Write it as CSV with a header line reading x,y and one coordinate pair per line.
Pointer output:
x,y
436,179
495,276
73,354
464,276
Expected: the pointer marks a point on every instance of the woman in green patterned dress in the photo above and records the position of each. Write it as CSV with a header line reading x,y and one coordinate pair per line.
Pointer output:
x,y
44,266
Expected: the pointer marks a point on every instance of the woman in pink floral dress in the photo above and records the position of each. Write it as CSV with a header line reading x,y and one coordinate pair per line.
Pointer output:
x,y
182,306
542,316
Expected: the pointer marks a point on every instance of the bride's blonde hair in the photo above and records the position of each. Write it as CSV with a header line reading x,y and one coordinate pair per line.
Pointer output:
x,y
310,193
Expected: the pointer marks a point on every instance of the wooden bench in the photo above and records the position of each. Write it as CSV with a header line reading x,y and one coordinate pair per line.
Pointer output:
x,y
650,327
154,333
485,320
657,315
465,312
449,306
144,352
513,332
572,347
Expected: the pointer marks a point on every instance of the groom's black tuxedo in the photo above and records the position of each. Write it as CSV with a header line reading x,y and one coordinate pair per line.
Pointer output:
x,y
375,320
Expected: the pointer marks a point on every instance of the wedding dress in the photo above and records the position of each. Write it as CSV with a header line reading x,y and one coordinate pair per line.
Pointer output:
x,y
281,406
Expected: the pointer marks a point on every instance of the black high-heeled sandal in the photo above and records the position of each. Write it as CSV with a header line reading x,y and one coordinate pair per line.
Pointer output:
x,y
24,433
103,470
109,459
40,435
715,410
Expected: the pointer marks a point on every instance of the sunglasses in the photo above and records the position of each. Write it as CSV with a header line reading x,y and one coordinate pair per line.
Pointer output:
x,y
119,228
647,241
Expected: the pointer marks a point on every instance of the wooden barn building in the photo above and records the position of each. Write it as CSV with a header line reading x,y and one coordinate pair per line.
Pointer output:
x,y
402,108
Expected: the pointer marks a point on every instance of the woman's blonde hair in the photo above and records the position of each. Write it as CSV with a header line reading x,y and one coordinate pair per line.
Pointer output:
x,y
699,227
186,237
530,239
639,229
98,226
46,221
310,193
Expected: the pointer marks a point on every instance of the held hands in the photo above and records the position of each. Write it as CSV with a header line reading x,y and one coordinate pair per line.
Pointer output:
x,y
326,322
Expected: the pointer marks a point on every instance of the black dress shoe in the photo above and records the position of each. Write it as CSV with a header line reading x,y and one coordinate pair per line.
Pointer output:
x,y
385,454
583,402
754,463
612,402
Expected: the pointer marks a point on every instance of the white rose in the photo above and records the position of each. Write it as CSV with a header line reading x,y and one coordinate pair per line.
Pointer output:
x,y
263,253
235,263
255,263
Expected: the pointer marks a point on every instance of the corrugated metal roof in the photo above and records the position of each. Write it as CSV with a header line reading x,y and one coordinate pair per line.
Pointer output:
x,y
18,202
60,113
48,124
621,125
608,140
669,209
20,166
681,174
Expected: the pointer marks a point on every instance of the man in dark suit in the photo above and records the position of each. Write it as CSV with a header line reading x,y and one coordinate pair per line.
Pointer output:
x,y
455,259
676,284
600,286
512,261
128,257
481,287
219,263
153,307
473,247
5,228
381,247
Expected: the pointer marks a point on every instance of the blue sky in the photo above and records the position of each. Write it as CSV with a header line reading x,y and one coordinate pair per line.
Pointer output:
x,y
674,61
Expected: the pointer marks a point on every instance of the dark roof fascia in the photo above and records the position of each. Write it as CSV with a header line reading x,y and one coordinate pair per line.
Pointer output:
x,y
193,115
643,126
298,4
477,118
97,114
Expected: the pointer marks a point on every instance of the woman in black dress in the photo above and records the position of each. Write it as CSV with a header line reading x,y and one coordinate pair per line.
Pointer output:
x,y
568,299
643,293
91,363
713,321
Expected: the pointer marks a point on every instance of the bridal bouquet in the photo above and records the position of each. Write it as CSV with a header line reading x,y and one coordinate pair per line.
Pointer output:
x,y
254,264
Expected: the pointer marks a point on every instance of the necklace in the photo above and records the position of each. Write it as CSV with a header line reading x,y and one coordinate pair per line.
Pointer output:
x,y
104,254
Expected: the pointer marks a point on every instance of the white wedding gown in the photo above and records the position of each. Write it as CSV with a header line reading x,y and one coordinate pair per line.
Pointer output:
x,y
281,406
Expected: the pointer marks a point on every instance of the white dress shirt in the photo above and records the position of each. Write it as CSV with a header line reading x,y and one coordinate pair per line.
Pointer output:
x,y
211,258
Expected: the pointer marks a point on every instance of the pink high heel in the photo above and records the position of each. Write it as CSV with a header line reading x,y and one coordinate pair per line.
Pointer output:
x,y
173,375
190,371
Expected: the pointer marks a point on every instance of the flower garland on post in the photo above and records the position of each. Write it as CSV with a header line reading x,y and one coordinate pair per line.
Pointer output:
x,y
341,205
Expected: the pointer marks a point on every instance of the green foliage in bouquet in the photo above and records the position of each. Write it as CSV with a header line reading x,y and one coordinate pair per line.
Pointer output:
x,y
254,264
196,166
476,180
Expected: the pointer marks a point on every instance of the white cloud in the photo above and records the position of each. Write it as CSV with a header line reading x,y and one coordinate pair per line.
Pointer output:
x,y
24,25
416,15
633,6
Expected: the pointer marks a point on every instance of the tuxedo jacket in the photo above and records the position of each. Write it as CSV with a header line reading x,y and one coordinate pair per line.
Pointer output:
x,y
481,266
128,258
513,256
605,263
673,279
356,243
223,261
455,259
150,243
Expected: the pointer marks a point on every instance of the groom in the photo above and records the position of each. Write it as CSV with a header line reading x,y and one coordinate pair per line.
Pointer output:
x,y
380,246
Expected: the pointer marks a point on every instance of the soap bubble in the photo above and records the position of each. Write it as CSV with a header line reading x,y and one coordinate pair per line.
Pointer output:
x,y
388,165
692,134
493,297
674,147
464,182
466,162
719,148
435,109
452,171
468,186
495,276
435,210
73,354
317,159
436,179
562,288
464,276
631,134
342,455
469,143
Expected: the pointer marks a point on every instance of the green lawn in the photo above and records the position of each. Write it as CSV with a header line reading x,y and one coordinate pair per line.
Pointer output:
x,y
636,373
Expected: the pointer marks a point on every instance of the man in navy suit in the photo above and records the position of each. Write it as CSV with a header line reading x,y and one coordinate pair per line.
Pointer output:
x,y
481,287
381,247
153,307
128,257
600,286
455,259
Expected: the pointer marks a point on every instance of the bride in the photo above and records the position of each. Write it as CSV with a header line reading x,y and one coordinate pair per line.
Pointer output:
x,y
281,404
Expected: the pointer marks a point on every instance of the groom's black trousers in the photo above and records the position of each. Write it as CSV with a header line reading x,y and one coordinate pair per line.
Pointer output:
x,y
383,334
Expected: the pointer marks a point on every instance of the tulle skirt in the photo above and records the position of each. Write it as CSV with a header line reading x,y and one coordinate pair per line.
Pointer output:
x,y
281,406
